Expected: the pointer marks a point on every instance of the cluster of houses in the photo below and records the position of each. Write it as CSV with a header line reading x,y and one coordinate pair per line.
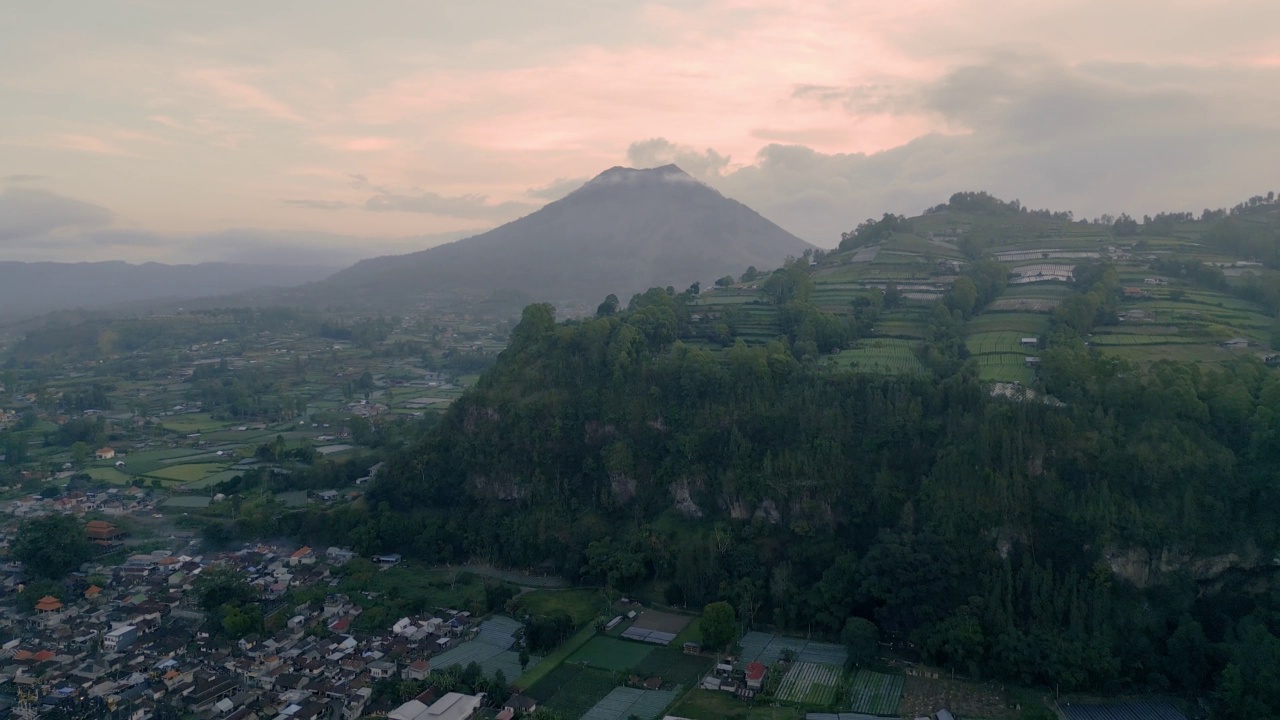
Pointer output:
x,y
113,502
743,683
133,637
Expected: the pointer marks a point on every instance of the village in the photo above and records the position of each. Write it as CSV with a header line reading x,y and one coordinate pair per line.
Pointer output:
x,y
134,639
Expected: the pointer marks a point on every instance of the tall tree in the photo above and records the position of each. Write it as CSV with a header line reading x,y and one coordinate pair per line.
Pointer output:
x,y
51,546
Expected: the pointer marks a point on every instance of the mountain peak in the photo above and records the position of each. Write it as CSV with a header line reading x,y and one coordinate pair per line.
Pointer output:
x,y
618,173
625,231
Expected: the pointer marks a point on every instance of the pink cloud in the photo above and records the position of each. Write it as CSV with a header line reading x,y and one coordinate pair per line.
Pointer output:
x,y
241,95
714,80
358,143
89,144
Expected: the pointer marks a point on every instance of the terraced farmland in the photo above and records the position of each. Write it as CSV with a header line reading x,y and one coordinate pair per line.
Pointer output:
x,y
767,649
882,355
997,341
622,703
810,684
876,693
187,472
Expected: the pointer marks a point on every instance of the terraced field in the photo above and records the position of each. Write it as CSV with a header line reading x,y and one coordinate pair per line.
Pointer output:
x,y
882,355
876,693
622,703
810,684
580,691
1005,368
187,472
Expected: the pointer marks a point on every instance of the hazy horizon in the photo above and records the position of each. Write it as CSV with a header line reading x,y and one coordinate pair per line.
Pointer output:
x,y
142,131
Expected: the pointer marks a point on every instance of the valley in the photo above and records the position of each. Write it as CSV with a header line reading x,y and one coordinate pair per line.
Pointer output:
x,y
986,460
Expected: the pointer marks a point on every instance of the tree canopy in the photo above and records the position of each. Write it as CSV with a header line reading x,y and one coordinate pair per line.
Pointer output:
x,y
51,546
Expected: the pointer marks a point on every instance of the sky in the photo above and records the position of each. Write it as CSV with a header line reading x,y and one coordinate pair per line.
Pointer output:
x,y
324,131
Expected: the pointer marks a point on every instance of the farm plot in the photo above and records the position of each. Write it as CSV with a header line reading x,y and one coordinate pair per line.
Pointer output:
x,y
197,502
491,648
767,648
884,355
1024,323
810,684
999,341
1130,710
1024,304
579,693
146,461
110,475
876,693
1121,338
606,652
718,705
922,696
622,703
211,480
908,328
1005,367
187,473
191,423
674,666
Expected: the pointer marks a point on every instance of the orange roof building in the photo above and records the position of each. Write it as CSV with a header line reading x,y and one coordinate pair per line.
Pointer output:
x,y
101,530
93,592
48,604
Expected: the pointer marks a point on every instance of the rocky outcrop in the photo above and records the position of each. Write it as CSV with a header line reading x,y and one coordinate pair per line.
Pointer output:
x,y
623,487
682,495
476,413
505,487
768,511
1144,569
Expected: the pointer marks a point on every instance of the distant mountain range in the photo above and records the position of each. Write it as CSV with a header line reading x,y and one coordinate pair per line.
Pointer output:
x,y
30,289
623,232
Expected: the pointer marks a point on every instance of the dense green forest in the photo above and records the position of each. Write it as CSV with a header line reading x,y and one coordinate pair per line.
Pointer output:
x,y
1113,529
978,528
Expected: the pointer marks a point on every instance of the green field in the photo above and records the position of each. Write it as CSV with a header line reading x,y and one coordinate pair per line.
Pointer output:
x,y
144,462
552,663
810,684
883,355
578,693
1140,338
611,654
187,473
109,474
1025,324
876,693
211,480
583,605
1005,367
999,341
674,666
717,705
192,423
187,501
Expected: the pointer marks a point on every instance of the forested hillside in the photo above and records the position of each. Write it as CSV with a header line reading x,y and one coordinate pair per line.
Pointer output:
x,y
1111,526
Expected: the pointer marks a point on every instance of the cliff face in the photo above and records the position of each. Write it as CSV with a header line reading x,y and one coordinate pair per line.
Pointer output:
x,y
1144,568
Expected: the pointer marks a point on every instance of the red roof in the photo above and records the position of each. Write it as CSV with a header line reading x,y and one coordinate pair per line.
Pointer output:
x,y
44,655
755,671
340,625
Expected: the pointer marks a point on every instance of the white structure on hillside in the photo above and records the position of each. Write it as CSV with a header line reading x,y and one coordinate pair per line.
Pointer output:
x,y
453,706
